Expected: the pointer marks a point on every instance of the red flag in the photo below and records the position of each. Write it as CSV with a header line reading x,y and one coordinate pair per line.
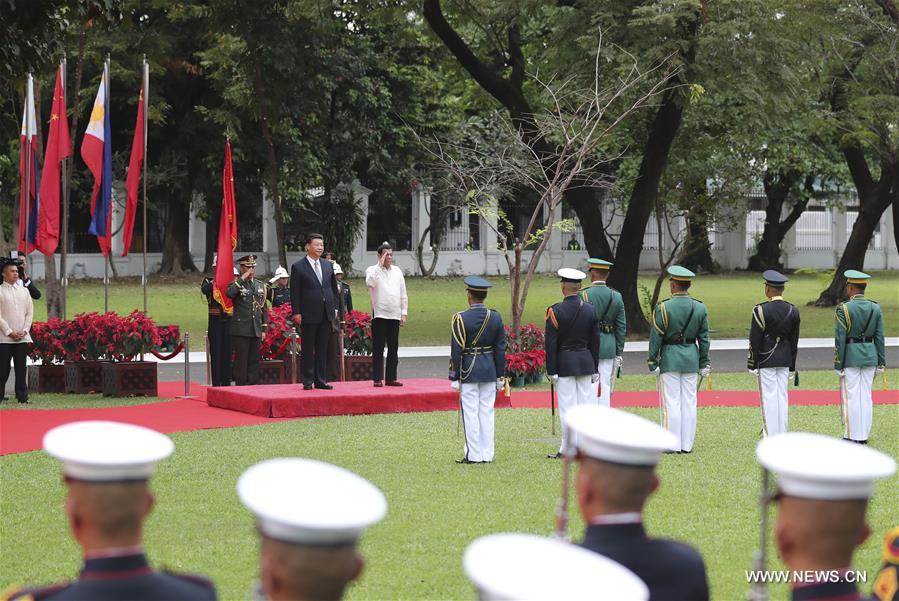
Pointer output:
x,y
58,148
132,182
28,168
224,268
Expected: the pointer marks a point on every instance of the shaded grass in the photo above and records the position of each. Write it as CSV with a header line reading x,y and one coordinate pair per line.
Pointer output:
x,y
76,401
436,507
432,301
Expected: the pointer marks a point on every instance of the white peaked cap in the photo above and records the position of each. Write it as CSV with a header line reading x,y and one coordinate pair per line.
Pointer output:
x,y
567,273
813,466
100,451
618,436
310,502
525,566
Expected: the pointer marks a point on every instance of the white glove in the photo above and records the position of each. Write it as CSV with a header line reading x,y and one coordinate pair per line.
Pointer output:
x,y
454,384
705,371
840,372
500,383
619,361
594,378
754,372
656,371
880,369
554,378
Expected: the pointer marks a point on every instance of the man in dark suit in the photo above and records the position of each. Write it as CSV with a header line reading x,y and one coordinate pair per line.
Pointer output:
x,y
617,453
313,297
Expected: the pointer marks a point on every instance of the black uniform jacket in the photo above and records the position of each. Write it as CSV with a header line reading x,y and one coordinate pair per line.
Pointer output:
x,y
671,570
774,335
572,338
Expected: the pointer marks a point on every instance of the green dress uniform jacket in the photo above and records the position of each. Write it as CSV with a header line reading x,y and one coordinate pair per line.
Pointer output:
x,y
250,315
679,339
858,336
609,307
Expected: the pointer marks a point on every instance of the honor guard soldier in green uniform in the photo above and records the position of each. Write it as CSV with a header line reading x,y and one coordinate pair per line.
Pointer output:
x,y
609,307
773,345
571,341
477,367
249,321
679,356
858,354
218,330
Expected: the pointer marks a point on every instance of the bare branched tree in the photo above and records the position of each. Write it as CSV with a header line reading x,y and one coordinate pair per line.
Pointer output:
x,y
581,118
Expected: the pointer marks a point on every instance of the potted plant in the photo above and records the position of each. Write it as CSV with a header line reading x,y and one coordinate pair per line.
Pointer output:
x,y
169,338
516,369
277,363
357,346
128,338
85,347
48,373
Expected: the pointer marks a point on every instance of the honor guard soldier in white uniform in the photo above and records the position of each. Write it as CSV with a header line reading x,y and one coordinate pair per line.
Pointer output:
x,y
822,493
859,353
310,515
477,366
678,352
107,466
526,566
773,345
617,454
609,307
572,349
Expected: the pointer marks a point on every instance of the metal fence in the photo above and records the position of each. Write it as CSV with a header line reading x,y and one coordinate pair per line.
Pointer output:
x,y
876,242
814,229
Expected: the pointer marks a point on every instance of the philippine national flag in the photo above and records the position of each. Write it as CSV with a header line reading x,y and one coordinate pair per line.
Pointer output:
x,y
28,173
96,151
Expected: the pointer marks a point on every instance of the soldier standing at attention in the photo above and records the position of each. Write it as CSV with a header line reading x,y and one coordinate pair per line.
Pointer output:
x,y
858,354
477,366
219,333
278,292
773,344
572,350
249,321
609,307
678,351
106,468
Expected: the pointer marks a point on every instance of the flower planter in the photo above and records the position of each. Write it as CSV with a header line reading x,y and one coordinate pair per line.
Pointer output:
x,y
518,381
83,377
273,372
130,378
46,378
357,368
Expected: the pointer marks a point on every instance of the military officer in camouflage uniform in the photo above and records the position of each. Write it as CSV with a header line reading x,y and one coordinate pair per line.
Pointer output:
x,y
248,323
609,307
773,345
477,366
571,340
858,354
218,330
678,351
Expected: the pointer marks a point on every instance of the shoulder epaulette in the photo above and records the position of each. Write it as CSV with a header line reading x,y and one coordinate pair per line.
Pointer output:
x,y
698,301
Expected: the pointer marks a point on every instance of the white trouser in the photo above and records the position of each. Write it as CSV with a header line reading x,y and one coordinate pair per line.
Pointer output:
x,y
677,395
478,399
606,369
572,391
773,382
858,408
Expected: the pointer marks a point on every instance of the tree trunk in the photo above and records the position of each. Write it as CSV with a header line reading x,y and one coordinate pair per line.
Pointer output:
x,y
777,190
697,255
515,276
589,213
176,259
643,198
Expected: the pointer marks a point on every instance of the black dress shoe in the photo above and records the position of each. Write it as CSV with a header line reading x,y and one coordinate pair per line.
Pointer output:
x,y
466,461
554,456
25,401
378,384
307,386
324,386
393,383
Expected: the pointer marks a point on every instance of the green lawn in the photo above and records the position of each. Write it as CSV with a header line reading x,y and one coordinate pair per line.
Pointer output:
x,y
729,297
436,507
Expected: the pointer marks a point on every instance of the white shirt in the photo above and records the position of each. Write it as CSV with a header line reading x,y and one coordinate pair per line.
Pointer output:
x,y
16,312
388,292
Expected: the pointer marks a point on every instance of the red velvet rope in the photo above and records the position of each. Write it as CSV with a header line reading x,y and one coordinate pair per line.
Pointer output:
x,y
177,350
280,351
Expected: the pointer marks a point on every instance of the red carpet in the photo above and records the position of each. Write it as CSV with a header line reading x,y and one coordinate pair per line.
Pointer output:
x,y
709,398
347,398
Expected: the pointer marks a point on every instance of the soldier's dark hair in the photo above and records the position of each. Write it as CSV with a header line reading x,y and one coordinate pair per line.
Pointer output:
x,y
311,237
859,286
682,285
384,246
478,295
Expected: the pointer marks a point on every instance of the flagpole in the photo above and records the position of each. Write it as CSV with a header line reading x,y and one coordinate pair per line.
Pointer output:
x,y
106,140
29,156
146,103
63,278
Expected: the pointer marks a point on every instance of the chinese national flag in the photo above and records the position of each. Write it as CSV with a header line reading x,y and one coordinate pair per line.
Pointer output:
x,y
59,147
224,269
132,182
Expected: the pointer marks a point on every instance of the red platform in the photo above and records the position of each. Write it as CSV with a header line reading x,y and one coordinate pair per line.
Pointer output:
x,y
347,398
